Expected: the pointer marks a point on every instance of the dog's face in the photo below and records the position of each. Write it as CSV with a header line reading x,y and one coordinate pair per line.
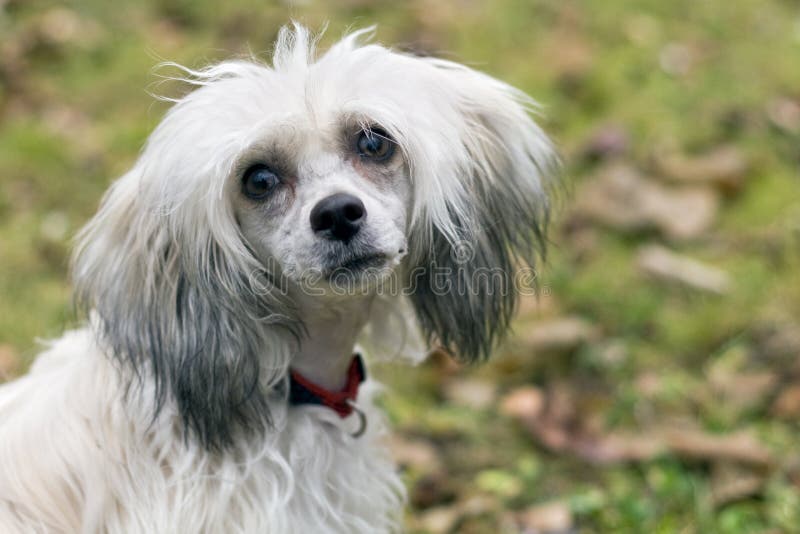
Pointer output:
x,y
325,202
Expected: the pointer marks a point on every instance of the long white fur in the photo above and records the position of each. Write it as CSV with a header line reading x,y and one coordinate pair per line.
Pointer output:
x,y
76,458
79,448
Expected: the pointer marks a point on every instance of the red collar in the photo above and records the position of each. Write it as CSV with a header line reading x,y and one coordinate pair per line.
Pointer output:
x,y
303,391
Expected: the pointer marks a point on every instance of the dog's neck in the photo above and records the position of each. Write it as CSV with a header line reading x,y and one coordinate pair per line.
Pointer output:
x,y
331,329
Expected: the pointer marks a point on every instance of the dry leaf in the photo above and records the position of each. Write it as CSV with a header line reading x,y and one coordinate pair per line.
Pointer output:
x,y
732,482
739,386
524,402
663,264
738,447
745,390
620,198
619,447
552,517
561,427
478,505
439,520
470,393
415,453
443,519
724,167
557,335
684,214
787,405
784,113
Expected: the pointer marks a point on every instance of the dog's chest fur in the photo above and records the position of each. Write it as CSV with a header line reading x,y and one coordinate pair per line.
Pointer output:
x,y
74,458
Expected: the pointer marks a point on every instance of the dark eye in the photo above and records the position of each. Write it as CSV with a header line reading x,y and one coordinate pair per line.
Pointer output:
x,y
259,182
375,144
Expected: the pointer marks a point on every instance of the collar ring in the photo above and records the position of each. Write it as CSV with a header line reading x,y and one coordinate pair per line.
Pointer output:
x,y
362,420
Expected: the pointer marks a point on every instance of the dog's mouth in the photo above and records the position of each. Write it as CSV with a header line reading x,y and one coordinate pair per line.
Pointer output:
x,y
356,265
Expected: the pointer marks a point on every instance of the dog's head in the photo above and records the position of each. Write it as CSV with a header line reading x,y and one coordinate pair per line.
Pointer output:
x,y
363,165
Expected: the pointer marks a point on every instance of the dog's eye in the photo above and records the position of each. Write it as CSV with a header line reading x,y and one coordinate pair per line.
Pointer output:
x,y
258,182
375,144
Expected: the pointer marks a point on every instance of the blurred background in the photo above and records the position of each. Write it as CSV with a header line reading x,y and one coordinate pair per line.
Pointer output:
x,y
653,386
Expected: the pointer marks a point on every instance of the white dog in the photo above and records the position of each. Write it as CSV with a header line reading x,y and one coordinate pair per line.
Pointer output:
x,y
275,217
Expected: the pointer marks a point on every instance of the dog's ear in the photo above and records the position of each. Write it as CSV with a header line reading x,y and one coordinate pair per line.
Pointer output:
x,y
172,294
481,210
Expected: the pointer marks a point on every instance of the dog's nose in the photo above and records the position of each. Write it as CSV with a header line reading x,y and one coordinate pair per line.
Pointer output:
x,y
338,217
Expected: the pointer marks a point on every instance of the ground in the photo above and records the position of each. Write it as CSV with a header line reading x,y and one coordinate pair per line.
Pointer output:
x,y
652,386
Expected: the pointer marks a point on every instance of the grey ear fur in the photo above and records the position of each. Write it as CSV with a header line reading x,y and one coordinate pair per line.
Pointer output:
x,y
176,308
495,229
